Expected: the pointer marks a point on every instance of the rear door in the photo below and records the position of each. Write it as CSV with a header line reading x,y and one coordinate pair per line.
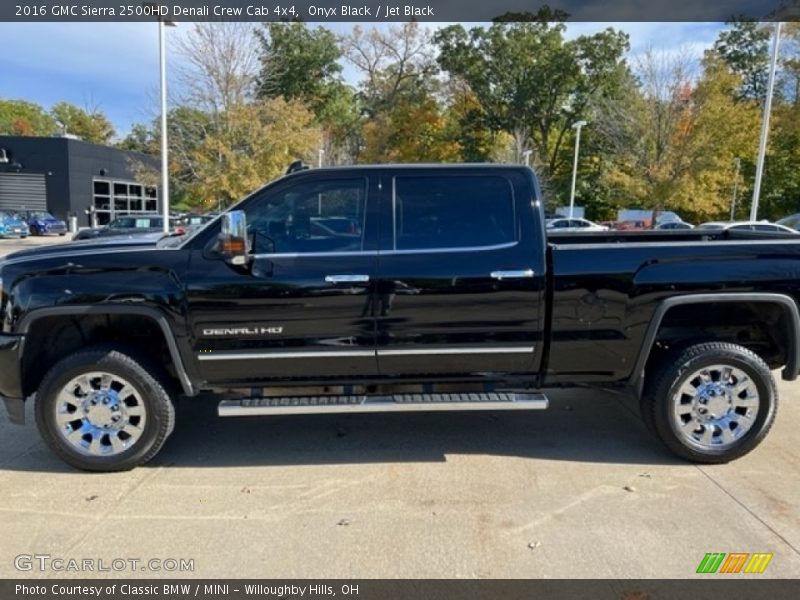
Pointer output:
x,y
460,273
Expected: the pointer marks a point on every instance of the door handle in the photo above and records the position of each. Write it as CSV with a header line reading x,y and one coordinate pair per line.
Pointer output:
x,y
346,278
521,274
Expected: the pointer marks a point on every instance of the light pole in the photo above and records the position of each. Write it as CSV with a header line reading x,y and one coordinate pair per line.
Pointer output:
x,y
762,144
162,56
577,127
738,162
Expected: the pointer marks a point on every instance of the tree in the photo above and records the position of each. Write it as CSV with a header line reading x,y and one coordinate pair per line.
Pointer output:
x,y
298,63
252,144
674,144
467,121
532,83
395,63
745,49
141,138
399,93
224,141
18,117
90,124
221,66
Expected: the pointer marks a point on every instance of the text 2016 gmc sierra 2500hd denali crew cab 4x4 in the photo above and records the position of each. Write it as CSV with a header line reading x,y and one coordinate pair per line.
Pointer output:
x,y
392,288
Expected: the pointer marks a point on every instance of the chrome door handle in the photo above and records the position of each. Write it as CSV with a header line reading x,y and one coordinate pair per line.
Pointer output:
x,y
522,274
346,278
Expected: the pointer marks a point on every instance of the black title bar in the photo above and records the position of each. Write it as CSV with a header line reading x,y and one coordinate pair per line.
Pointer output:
x,y
394,10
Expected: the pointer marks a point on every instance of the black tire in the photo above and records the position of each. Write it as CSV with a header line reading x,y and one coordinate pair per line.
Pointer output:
x,y
676,369
148,381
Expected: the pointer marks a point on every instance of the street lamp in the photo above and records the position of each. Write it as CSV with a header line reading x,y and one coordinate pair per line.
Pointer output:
x,y
162,56
738,162
577,127
762,144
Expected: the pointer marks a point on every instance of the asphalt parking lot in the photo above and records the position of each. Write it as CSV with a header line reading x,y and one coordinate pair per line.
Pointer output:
x,y
579,490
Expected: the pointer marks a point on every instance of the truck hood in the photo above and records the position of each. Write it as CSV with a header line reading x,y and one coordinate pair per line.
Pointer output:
x,y
100,244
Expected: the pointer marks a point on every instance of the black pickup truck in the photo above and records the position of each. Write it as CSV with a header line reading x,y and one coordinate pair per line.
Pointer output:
x,y
394,288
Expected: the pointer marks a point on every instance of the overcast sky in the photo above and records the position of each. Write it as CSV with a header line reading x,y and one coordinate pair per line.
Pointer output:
x,y
114,66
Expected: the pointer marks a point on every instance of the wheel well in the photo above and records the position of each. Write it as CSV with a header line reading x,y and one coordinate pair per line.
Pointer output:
x,y
49,339
762,327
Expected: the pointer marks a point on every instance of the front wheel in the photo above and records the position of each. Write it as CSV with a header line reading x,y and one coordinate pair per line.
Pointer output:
x,y
101,410
711,403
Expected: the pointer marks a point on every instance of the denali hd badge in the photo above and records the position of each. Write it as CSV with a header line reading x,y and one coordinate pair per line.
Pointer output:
x,y
243,331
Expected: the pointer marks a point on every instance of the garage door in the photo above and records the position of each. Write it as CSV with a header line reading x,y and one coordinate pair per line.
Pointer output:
x,y
22,191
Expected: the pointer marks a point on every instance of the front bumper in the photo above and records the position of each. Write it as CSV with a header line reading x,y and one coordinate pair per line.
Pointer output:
x,y
10,379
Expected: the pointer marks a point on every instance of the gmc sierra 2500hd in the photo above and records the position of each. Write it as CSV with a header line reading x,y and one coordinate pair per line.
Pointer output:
x,y
392,288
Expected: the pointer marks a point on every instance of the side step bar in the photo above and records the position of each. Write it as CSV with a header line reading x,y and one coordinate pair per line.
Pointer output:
x,y
302,405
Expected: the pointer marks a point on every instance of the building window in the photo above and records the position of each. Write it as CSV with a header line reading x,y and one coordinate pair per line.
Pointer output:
x,y
117,198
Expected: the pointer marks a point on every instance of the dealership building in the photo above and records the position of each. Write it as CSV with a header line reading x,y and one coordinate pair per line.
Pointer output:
x,y
69,177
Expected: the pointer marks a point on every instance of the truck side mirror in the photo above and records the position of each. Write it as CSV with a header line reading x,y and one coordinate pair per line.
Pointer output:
x,y
233,237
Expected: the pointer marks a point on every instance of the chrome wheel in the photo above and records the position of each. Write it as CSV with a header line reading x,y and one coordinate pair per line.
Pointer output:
x,y
100,414
715,406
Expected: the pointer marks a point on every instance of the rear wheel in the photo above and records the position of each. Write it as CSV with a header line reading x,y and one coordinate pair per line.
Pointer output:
x,y
102,410
711,402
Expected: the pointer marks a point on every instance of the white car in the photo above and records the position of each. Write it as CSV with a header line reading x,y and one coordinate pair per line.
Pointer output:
x,y
747,226
574,225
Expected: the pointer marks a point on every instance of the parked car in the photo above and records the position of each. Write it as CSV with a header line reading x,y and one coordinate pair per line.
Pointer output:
x,y
633,225
763,226
103,341
12,226
792,221
673,225
193,220
44,223
558,225
145,223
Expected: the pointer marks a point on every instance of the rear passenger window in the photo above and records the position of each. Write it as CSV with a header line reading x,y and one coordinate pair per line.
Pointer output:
x,y
452,212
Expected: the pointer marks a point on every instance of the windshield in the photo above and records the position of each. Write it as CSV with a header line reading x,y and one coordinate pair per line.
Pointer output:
x,y
41,215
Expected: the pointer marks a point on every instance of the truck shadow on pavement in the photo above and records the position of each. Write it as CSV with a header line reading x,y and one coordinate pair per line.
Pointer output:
x,y
580,425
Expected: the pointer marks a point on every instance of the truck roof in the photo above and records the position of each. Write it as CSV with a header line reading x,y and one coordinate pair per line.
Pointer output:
x,y
404,166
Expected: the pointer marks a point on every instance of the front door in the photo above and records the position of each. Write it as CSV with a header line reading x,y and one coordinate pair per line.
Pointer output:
x,y
460,290
299,309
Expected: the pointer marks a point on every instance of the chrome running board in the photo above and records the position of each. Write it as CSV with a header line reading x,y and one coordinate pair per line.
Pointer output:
x,y
302,405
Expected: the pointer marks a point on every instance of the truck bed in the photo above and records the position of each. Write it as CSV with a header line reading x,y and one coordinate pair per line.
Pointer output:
x,y
654,236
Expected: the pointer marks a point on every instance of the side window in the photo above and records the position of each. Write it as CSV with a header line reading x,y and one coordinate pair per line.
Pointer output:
x,y
311,216
771,228
433,212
